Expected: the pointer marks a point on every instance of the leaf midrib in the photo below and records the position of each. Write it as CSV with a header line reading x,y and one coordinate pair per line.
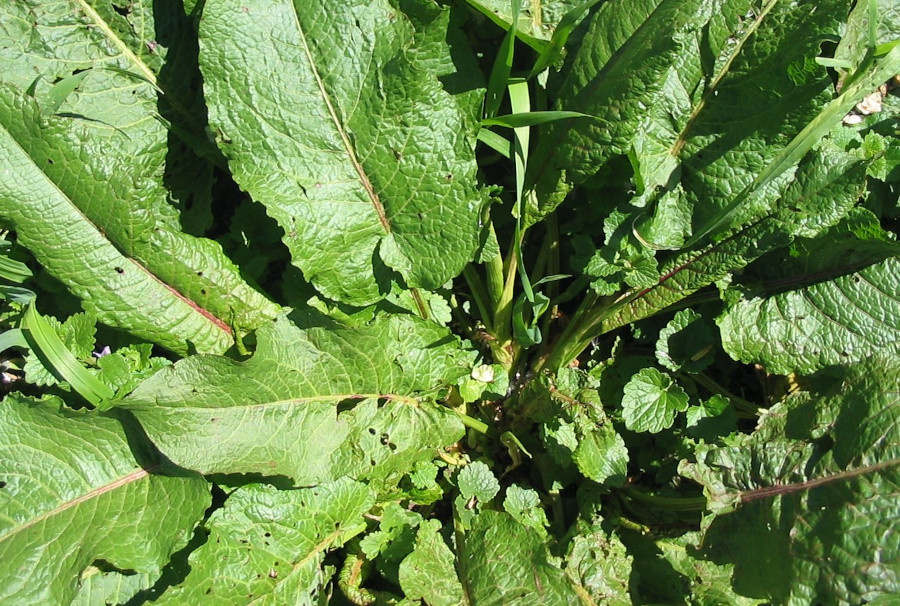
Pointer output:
x,y
301,400
104,27
145,70
788,489
339,126
713,87
95,493
218,323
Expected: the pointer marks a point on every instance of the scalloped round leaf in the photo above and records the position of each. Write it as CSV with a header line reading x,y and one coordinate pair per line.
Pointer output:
x,y
477,480
651,400
601,454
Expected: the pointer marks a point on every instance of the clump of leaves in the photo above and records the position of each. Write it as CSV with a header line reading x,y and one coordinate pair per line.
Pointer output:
x,y
404,301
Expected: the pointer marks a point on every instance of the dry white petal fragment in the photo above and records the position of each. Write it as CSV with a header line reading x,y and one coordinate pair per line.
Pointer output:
x,y
871,104
483,373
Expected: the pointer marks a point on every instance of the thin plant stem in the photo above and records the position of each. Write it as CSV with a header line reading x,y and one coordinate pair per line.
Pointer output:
x,y
479,295
670,503
745,408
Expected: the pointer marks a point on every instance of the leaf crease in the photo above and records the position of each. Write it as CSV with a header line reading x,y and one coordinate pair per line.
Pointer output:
x,y
342,131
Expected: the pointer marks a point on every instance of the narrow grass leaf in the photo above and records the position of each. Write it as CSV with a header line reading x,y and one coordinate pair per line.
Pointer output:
x,y
44,341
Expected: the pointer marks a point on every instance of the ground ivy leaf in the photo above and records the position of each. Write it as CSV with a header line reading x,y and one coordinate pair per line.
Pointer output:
x,y
503,562
815,488
73,477
651,401
428,573
281,412
477,480
393,541
358,152
601,454
524,504
268,545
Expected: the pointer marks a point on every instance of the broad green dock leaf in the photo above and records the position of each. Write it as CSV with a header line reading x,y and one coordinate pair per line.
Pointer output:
x,y
132,271
823,190
267,546
101,167
503,562
288,410
73,495
815,488
765,88
615,75
98,586
737,85
132,64
441,48
856,40
838,311
358,152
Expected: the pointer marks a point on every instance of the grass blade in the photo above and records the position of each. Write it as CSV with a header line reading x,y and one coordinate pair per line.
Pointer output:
x,y
44,341
532,118
553,51
499,77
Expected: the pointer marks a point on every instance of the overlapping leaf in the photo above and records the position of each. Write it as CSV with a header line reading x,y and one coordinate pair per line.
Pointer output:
x,y
764,87
838,307
733,84
600,565
816,490
536,23
267,546
71,490
428,572
825,187
289,410
361,156
93,168
619,71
